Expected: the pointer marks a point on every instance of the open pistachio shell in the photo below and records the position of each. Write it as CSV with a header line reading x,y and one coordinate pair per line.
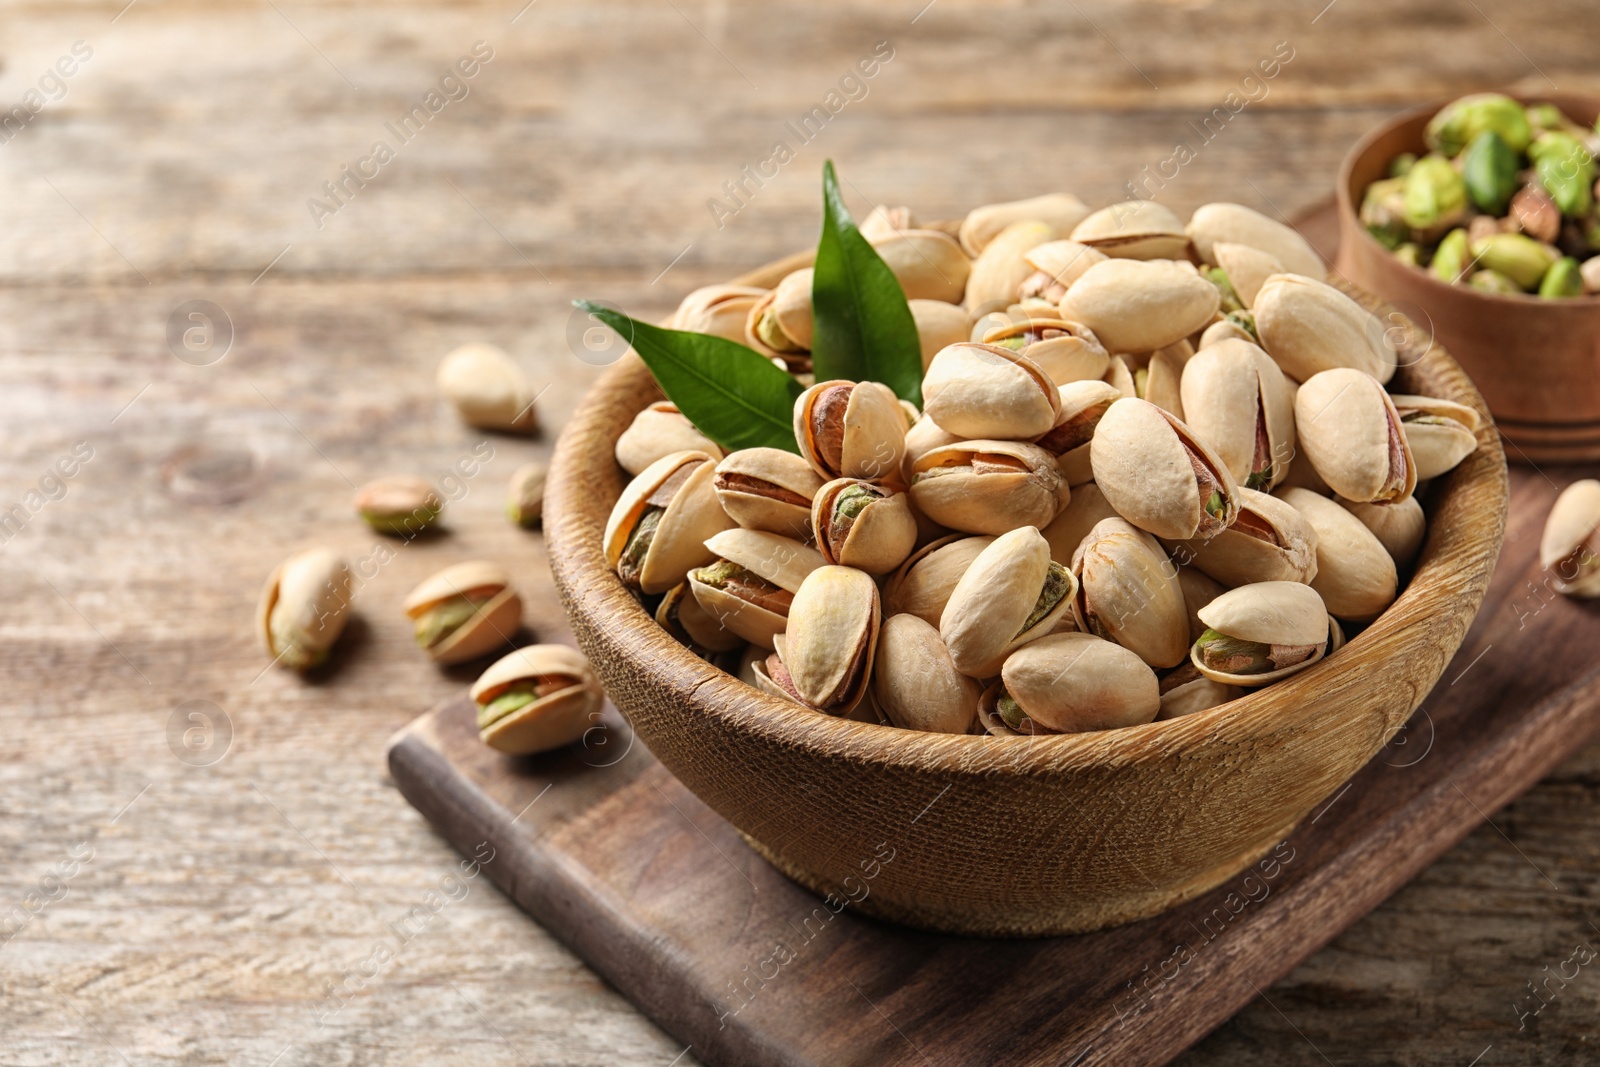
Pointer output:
x,y
916,683
750,590
682,616
1068,529
1224,329
1083,405
862,525
779,322
1011,594
1308,326
1213,224
720,310
1065,351
986,391
1135,306
660,430
988,487
832,637
938,324
1074,683
659,525
886,219
924,436
1269,542
1247,269
851,429
1000,269
1569,547
1287,621
303,607
1159,475
767,489
924,582
929,265
1134,229
566,699
1056,265
1128,592
491,625
1059,211
1350,431
1440,433
1185,691
1238,401
1199,589
1356,577
1400,527
1160,381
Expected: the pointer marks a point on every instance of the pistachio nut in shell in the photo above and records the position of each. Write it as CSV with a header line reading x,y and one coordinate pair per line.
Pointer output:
x,y
1185,691
1159,475
1160,380
1083,405
928,264
1119,375
1011,594
924,582
538,698
850,429
1399,527
1238,401
750,586
1070,683
660,430
1059,211
1356,577
1000,269
828,649
1246,268
488,390
924,436
403,505
1351,433
886,219
303,607
916,682
691,625
987,391
1134,229
1441,433
1269,542
464,611
719,310
1128,592
988,487
938,324
1199,589
1214,224
658,528
779,322
1224,329
1056,265
767,489
1308,326
1082,513
1260,633
1570,546
859,524
1065,351
525,495
1135,306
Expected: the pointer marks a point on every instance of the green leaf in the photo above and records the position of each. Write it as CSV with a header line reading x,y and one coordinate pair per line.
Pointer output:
x,y
732,394
863,328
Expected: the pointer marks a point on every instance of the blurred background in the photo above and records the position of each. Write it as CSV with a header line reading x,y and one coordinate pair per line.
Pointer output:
x,y
198,896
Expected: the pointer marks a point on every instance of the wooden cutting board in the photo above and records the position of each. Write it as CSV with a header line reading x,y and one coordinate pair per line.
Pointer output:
x,y
663,898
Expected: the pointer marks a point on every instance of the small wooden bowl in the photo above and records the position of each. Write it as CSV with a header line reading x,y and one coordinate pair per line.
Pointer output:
x,y
1017,836
1534,359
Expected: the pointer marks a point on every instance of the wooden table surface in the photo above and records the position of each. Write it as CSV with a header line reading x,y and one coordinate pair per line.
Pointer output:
x,y
155,910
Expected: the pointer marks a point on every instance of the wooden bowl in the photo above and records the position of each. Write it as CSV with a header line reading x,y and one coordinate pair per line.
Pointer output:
x,y
1534,359
1017,836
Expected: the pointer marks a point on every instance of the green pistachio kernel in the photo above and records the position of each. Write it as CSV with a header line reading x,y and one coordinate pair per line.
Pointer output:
x,y
1517,256
1245,320
1435,194
1492,281
515,698
1452,260
1490,170
446,617
1562,279
1056,582
1010,711
1230,297
1566,168
1230,655
1459,122
1402,163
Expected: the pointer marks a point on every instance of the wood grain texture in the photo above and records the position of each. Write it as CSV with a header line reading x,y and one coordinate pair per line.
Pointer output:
x,y
208,926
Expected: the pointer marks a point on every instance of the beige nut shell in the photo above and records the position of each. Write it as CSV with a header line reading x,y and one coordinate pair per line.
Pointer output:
x,y
1437,448
929,265
994,502
1270,541
1142,466
1068,529
1356,576
1308,326
550,722
1572,522
1284,613
1000,269
874,431
660,430
1225,387
488,389
916,682
719,310
1213,224
1134,229
1139,306
923,583
682,616
1400,527
313,587
938,324
493,625
1247,269
1344,419
982,621
834,616
691,516
1128,592
986,391
1074,683
1059,211
879,540
756,511
1075,355
1064,260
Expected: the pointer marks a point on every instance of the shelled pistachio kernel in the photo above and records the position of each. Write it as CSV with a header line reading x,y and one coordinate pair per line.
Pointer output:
x,y
402,505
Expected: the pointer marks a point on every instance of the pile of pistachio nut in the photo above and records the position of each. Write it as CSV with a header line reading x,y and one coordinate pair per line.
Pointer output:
x,y
1504,201
1157,467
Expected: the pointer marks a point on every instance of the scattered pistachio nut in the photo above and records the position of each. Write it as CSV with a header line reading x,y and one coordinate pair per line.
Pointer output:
x,y
988,487
1134,229
1308,326
525,495
750,585
402,505
304,607
1356,577
1570,546
660,430
1440,433
488,390
464,611
989,391
1269,542
1238,401
538,698
1128,592
767,489
1139,306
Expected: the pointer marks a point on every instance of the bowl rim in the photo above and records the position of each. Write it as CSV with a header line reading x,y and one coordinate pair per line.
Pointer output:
x,y
1241,721
1349,215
